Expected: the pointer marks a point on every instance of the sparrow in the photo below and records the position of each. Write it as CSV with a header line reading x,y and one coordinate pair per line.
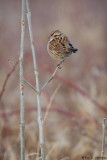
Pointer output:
x,y
59,46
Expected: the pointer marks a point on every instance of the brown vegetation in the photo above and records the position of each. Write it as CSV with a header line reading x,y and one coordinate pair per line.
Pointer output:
x,y
73,124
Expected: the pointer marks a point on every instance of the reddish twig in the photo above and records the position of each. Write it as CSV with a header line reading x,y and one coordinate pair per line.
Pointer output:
x,y
6,79
59,110
75,87
6,120
78,89
81,91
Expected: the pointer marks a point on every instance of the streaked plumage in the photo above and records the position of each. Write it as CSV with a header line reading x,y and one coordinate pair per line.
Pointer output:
x,y
59,46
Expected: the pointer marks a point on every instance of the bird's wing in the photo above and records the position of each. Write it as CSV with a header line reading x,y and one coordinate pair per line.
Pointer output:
x,y
60,45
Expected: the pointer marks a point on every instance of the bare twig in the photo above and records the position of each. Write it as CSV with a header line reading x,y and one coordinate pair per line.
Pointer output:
x,y
22,123
82,92
38,148
78,89
50,103
28,83
58,67
40,119
5,119
6,79
31,154
103,138
31,86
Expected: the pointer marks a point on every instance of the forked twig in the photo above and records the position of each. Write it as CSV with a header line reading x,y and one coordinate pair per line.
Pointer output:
x,y
40,119
28,83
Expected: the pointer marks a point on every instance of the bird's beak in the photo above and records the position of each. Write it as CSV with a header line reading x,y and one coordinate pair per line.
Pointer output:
x,y
49,36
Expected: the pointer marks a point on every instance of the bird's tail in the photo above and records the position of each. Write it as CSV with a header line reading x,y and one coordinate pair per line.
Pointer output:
x,y
74,50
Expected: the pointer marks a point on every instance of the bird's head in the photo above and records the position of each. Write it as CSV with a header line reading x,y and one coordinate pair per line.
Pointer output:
x,y
55,34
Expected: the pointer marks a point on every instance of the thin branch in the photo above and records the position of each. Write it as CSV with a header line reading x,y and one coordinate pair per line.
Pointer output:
x,y
5,119
31,154
58,67
31,86
58,110
40,119
78,89
6,79
28,83
103,138
50,103
22,123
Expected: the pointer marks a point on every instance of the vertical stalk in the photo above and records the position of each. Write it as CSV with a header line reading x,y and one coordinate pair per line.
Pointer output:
x,y
103,138
40,119
22,123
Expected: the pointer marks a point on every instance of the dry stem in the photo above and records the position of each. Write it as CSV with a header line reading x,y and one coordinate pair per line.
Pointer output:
x,y
40,119
103,138
50,103
6,79
58,67
22,123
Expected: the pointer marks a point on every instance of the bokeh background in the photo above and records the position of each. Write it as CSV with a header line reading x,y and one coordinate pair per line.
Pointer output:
x,y
73,128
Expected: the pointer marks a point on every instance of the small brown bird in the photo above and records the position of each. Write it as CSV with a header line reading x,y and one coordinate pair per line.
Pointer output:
x,y
59,46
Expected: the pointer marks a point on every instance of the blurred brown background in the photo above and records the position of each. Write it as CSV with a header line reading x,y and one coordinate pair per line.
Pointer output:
x,y
73,127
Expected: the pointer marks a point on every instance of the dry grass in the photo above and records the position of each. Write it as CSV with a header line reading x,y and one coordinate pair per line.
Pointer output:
x,y
73,129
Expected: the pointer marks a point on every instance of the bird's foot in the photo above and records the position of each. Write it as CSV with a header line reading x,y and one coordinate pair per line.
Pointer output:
x,y
59,63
